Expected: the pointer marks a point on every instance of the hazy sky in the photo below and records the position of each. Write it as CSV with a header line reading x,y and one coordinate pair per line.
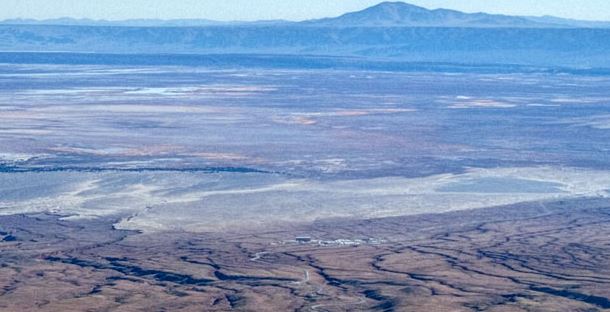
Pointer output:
x,y
280,9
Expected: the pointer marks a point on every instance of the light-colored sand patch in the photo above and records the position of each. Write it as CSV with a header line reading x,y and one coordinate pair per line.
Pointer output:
x,y
306,200
151,150
543,105
294,120
205,202
481,103
310,118
582,100
151,91
18,157
219,156
213,89
129,108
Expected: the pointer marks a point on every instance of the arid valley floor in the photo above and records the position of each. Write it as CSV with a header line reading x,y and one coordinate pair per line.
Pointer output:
x,y
190,188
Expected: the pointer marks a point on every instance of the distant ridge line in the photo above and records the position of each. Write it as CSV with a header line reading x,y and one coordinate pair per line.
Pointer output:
x,y
384,14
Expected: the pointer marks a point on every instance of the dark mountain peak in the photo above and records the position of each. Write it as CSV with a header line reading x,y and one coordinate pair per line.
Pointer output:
x,y
387,13
395,6
400,13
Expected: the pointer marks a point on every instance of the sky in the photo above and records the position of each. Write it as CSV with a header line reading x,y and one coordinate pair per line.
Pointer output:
x,y
248,10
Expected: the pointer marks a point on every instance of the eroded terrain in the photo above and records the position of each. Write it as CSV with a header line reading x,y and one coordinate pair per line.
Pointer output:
x,y
540,256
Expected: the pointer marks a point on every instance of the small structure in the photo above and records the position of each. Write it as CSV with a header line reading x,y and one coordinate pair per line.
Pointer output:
x,y
303,239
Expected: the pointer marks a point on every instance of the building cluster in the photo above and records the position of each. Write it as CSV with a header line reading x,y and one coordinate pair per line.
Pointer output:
x,y
307,240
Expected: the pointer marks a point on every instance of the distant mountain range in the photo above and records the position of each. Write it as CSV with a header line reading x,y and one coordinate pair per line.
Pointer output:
x,y
390,31
386,14
66,21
